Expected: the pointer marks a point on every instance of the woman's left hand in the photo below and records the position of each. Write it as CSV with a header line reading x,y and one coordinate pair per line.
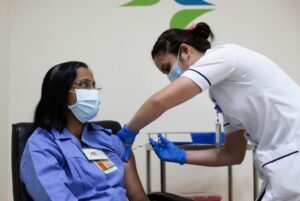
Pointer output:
x,y
127,136
167,150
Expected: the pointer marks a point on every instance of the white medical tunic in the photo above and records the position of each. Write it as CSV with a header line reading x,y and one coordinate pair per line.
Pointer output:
x,y
254,94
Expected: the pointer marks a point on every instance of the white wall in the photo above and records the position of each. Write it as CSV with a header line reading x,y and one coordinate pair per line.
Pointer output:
x,y
116,42
5,190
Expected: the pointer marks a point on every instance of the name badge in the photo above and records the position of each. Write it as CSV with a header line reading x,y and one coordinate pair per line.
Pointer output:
x,y
106,165
94,154
100,159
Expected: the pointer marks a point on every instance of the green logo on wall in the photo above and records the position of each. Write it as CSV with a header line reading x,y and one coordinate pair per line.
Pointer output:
x,y
183,17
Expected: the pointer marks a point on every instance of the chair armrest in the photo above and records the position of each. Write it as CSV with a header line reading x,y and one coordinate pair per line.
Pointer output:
x,y
163,196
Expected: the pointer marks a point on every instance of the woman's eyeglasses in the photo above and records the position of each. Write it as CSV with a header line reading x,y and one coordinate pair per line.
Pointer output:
x,y
86,84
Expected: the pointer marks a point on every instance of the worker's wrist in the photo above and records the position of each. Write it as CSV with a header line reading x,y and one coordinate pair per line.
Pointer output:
x,y
182,157
128,131
127,136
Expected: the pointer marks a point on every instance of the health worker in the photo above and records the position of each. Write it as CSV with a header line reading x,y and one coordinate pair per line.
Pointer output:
x,y
258,101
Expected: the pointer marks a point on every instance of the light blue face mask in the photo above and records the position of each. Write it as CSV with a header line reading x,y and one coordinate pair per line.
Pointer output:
x,y
176,71
87,105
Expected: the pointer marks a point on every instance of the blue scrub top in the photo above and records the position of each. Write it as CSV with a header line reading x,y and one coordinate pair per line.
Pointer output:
x,y
54,167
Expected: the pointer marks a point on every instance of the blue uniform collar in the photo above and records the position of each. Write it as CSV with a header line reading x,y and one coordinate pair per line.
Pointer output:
x,y
93,135
98,137
65,134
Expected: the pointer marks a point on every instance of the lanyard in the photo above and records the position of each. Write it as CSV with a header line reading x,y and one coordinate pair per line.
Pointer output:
x,y
218,128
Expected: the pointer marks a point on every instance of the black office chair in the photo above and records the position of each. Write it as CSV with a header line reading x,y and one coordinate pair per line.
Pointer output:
x,y
20,134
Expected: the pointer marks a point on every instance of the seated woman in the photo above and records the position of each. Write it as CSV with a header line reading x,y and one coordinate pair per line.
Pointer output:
x,y
68,159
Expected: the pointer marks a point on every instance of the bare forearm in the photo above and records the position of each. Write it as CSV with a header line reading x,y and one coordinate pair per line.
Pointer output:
x,y
210,157
149,111
232,153
172,95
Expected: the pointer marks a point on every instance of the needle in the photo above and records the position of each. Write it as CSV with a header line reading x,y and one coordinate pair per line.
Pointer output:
x,y
140,146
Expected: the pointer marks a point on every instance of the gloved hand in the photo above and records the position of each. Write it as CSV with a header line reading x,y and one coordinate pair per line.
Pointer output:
x,y
168,151
127,136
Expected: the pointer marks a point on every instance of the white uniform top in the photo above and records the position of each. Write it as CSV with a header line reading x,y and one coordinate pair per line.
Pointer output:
x,y
254,94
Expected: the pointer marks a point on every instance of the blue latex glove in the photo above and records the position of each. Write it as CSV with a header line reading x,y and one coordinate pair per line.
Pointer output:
x,y
167,150
127,136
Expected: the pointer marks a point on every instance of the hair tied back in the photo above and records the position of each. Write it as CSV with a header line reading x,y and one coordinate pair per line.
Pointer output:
x,y
202,31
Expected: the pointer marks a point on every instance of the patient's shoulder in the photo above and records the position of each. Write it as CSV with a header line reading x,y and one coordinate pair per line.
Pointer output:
x,y
40,139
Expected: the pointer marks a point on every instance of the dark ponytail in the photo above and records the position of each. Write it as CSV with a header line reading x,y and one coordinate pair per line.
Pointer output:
x,y
202,31
170,40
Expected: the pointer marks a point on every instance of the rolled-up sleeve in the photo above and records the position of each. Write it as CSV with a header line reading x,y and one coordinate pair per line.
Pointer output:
x,y
44,179
215,66
231,125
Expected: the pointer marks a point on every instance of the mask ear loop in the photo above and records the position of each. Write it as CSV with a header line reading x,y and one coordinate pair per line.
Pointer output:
x,y
73,92
177,60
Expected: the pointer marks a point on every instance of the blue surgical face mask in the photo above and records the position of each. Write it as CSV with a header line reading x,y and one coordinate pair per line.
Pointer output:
x,y
87,105
175,72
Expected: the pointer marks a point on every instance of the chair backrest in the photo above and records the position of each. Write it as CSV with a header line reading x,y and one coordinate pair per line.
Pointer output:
x,y
20,134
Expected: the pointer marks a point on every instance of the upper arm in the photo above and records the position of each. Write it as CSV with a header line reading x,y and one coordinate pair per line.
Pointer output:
x,y
43,177
120,147
209,70
236,145
231,125
133,185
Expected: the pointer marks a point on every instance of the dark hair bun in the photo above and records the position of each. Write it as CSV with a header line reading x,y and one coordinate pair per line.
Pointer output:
x,y
202,31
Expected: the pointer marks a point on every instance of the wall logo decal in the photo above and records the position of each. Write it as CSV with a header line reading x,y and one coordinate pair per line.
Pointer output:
x,y
182,18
